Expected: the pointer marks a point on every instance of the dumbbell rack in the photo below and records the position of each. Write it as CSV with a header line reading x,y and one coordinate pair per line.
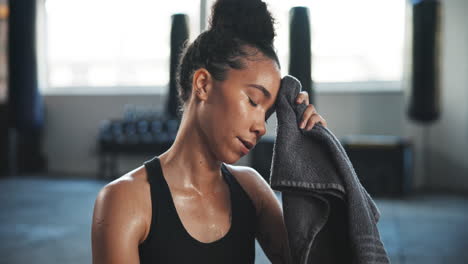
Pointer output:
x,y
132,137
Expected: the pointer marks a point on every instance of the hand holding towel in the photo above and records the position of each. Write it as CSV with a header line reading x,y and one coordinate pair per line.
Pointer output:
x,y
327,211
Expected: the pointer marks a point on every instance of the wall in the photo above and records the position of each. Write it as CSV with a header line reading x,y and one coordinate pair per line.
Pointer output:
x,y
448,138
71,128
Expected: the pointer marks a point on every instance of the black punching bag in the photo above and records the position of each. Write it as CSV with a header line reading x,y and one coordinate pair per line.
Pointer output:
x,y
179,35
424,96
25,101
4,135
300,49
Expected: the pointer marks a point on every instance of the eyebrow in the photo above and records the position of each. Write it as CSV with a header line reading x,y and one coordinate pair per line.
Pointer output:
x,y
261,88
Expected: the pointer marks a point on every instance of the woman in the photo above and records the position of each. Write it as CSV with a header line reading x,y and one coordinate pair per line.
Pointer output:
x,y
188,205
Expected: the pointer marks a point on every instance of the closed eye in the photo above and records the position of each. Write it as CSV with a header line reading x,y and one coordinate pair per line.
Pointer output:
x,y
255,104
252,102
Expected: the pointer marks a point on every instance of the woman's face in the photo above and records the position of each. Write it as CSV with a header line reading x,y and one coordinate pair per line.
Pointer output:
x,y
234,112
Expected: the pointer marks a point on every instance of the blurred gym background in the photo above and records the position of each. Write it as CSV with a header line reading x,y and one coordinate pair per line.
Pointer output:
x,y
87,94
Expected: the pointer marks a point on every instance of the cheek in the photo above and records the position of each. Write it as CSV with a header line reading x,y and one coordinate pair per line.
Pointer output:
x,y
236,112
222,120
229,109
226,119
217,117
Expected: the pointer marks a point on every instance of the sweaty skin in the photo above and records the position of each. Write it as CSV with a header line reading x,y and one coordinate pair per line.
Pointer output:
x,y
215,119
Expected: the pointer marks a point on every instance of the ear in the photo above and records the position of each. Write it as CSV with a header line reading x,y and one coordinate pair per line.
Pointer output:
x,y
202,83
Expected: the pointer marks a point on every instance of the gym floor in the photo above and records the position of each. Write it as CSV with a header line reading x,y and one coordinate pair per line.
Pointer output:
x,y
46,220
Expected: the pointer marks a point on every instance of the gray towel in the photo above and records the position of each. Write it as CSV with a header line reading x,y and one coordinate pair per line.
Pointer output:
x,y
324,202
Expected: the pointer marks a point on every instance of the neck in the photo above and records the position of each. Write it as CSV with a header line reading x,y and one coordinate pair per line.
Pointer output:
x,y
189,161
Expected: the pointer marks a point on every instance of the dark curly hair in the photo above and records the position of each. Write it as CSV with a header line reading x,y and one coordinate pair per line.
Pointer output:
x,y
236,26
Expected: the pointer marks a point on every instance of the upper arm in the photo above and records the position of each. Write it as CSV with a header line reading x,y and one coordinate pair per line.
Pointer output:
x,y
117,225
271,230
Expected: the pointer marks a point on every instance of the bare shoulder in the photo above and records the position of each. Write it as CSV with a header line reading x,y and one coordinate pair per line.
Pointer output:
x,y
254,184
120,218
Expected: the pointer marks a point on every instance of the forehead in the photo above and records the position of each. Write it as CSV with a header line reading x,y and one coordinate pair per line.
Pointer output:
x,y
260,71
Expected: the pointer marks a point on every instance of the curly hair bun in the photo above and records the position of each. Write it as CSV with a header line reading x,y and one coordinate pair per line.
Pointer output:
x,y
238,29
248,20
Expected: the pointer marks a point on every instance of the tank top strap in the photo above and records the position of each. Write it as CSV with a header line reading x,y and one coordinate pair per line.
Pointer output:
x,y
151,169
242,204
234,185
161,198
159,188
155,177
229,178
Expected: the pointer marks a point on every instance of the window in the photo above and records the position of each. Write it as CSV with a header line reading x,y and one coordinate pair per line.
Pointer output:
x,y
122,45
352,41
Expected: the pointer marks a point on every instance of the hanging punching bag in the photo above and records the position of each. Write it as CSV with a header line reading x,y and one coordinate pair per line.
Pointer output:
x,y
179,35
299,48
4,135
424,94
25,101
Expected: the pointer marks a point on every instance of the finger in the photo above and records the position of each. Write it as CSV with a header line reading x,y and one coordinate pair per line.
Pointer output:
x,y
323,121
309,124
310,110
302,97
314,119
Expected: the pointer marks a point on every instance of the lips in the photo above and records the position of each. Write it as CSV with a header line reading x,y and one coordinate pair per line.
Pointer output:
x,y
246,143
244,149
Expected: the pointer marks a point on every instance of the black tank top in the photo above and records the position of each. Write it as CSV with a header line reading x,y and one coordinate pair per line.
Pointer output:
x,y
168,242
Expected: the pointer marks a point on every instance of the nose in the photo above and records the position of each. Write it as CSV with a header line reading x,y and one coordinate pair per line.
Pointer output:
x,y
259,127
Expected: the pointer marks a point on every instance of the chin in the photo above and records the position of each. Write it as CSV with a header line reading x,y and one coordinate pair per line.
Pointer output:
x,y
225,153
231,158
